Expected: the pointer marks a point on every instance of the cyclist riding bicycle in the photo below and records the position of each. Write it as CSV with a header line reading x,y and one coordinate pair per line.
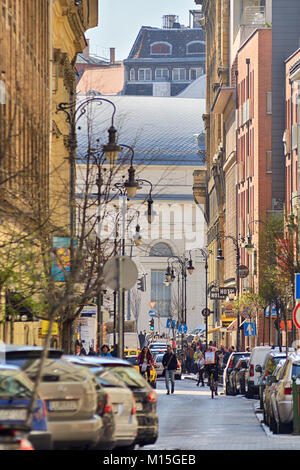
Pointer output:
x,y
212,366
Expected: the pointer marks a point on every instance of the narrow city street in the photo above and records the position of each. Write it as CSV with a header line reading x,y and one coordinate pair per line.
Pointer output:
x,y
191,420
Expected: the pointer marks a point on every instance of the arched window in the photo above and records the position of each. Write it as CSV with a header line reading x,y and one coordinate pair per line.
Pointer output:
x,y
195,47
161,249
161,48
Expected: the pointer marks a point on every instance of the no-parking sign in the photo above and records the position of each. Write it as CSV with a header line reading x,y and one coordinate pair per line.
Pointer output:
x,y
296,315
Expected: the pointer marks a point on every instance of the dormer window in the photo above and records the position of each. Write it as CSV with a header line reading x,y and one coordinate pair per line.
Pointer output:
x,y
160,48
195,47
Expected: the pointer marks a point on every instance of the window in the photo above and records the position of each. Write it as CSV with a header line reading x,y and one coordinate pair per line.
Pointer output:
x,y
160,293
269,161
161,249
195,73
269,102
161,74
161,48
195,47
179,74
145,74
132,75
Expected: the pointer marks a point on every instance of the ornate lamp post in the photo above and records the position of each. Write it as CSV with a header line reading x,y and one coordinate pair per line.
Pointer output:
x,y
191,270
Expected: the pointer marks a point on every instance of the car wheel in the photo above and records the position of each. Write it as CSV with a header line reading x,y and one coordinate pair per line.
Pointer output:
x,y
273,424
250,393
227,391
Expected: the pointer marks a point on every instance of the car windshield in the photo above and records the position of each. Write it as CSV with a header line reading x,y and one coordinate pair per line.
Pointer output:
x,y
296,370
237,357
132,359
55,369
159,358
106,378
15,385
129,375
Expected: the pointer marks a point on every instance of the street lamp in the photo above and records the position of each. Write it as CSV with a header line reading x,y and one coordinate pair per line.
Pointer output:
x,y
73,114
191,269
220,257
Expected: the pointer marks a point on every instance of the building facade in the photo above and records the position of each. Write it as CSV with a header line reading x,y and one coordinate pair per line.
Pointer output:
x,y
164,61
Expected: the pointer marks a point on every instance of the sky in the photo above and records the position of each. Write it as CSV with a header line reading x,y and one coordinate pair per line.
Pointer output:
x,y
120,21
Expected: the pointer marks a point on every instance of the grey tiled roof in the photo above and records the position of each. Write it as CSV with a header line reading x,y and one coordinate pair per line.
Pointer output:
x,y
161,130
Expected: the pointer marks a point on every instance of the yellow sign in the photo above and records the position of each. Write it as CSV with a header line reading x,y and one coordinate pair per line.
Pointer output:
x,y
226,321
45,328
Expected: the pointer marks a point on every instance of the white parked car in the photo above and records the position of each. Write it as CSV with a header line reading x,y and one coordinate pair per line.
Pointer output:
x,y
282,395
160,369
257,358
122,399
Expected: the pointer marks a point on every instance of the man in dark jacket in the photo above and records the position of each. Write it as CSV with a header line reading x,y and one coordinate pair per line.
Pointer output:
x,y
170,365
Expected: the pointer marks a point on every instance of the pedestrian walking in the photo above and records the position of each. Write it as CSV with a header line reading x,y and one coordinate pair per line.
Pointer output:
x,y
92,352
145,361
105,351
142,339
169,363
200,362
189,355
79,349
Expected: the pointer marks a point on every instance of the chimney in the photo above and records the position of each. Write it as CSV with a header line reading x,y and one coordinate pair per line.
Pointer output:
x,y
112,51
86,50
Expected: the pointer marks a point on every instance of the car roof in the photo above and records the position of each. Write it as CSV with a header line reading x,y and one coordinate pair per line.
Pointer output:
x,y
32,351
9,367
101,360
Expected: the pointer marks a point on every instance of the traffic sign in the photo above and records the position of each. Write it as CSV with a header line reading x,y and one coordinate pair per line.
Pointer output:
x,y
250,329
120,272
206,312
170,323
243,271
182,328
297,286
296,315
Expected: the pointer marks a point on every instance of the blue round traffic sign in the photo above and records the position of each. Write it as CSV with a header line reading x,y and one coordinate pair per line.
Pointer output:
x,y
182,328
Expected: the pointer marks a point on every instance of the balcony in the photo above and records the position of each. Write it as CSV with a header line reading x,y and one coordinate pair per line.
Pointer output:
x,y
255,15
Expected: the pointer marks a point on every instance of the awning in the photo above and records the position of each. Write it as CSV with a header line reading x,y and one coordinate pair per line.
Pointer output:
x,y
214,329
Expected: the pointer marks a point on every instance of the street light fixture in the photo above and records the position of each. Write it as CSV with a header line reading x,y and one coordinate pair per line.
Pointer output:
x,y
191,269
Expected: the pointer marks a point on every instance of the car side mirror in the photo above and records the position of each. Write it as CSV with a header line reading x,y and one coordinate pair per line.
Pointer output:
x,y
258,368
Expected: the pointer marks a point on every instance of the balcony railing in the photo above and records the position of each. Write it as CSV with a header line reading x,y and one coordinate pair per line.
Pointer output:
x,y
255,15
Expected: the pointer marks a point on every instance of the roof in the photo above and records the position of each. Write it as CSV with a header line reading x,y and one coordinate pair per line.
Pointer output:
x,y
197,89
162,130
178,37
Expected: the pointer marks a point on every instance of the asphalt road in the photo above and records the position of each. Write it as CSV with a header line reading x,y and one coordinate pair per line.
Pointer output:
x,y
190,420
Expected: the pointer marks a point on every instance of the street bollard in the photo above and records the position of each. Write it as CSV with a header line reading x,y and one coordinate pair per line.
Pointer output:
x,y
296,406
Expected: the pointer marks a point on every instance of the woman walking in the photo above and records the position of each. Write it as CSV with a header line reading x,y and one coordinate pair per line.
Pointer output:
x,y
145,361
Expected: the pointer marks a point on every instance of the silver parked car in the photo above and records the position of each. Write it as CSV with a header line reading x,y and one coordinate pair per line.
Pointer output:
x,y
70,395
269,385
282,397
122,399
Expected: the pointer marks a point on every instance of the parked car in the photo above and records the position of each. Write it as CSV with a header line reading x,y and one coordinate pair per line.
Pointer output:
x,y
257,357
270,382
16,390
231,363
153,374
160,369
70,395
144,395
237,376
122,399
281,399
271,360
